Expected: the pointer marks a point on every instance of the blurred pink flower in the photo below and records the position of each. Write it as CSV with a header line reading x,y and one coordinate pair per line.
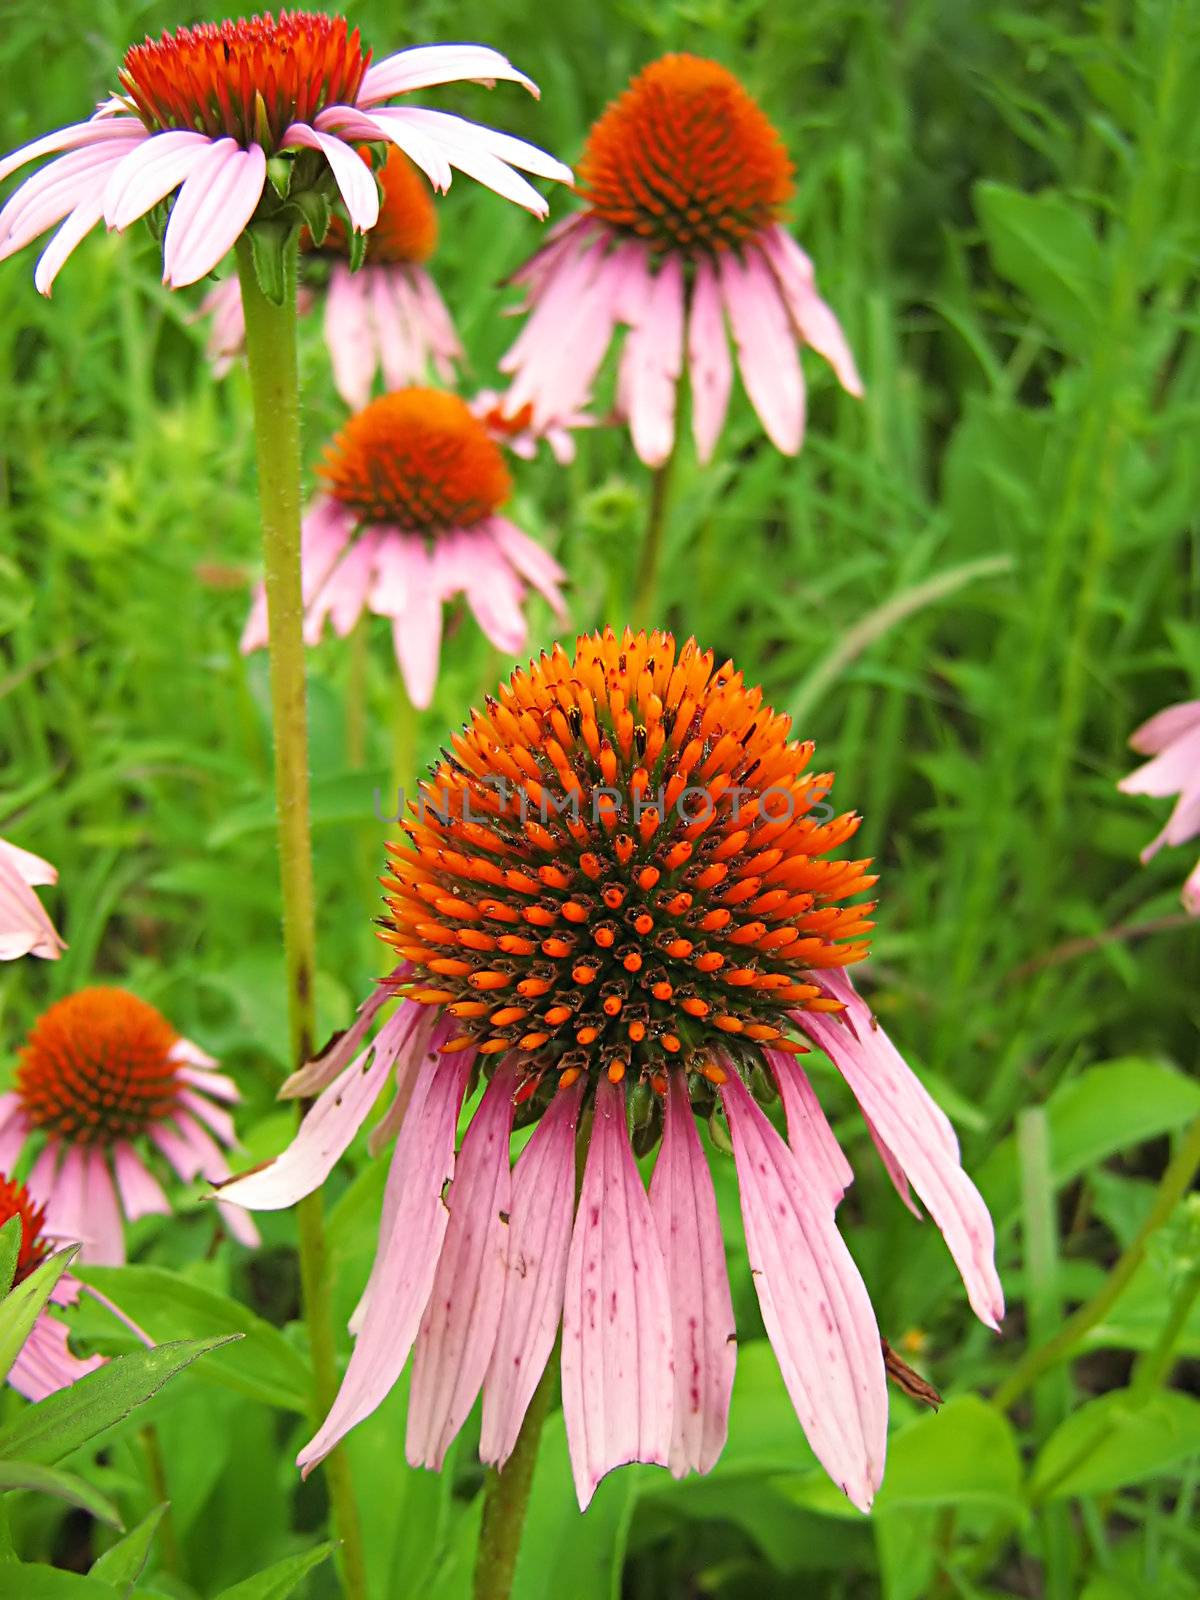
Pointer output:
x,y
516,432
614,981
1172,738
25,929
684,180
410,519
387,316
203,110
101,1072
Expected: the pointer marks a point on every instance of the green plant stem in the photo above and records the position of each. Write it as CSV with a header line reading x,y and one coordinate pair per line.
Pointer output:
x,y
405,726
1174,1184
357,680
274,384
156,1466
645,587
506,1499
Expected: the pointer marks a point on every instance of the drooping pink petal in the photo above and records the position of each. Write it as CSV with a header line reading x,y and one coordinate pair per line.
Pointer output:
x,y
469,154
493,590
815,322
218,1120
814,1304
44,1363
215,1084
684,1206
651,364
458,1330
617,1371
539,1237
766,345
64,1200
1190,894
343,597
400,353
812,1139
710,365
105,1244
536,565
433,319
73,231
42,1175
408,1251
355,180
916,1131
152,170
424,152
140,1192
79,133
1165,727
50,194
179,1151
25,928
1176,768
417,636
348,335
894,1170
210,214
475,137
432,64
14,1130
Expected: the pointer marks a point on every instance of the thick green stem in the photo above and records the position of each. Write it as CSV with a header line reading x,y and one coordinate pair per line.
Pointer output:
x,y
1176,1181
274,384
645,587
506,1499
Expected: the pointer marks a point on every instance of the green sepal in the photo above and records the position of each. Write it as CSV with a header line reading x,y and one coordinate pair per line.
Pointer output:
x,y
719,1133
315,209
269,243
279,172
358,249
10,1249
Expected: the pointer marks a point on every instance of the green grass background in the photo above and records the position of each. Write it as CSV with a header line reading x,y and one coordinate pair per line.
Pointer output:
x,y
968,588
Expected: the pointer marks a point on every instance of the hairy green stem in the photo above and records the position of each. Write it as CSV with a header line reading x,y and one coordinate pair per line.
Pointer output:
x,y
1174,1184
506,1499
645,586
275,386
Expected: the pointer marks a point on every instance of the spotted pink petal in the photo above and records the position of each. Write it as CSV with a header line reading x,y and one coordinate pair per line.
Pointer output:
x,y
407,1257
539,1237
617,1373
809,1134
916,1131
458,1330
815,1306
684,1206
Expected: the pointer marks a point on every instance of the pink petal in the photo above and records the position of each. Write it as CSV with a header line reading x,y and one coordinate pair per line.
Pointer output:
x,y
424,152
45,1364
14,1130
617,1373
71,138
458,1330
468,156
814,1305
478,139
433,319
1165,727
417,636
1174,770
348,335
432,64
651,364
539,1236
316,1074
814,321
211,211
1191,892
141,1194
812,1139
684,1207
28,867
766,348
218,1120
25,929
709,362
494,592
66,1209
44,1172
406,1261
894,1170
73,231
343,598
917,1133
105,1245
149,173
50,194
400,356
536,565
355,180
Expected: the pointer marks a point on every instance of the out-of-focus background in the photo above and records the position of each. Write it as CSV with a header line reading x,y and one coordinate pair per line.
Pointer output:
x,y
968,589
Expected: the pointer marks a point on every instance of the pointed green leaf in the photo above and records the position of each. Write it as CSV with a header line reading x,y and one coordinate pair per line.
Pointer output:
x,y
1113,1441
26,1582
21,1309
10,1249
64,1485
62,1422
278,1581
122,1563
315,209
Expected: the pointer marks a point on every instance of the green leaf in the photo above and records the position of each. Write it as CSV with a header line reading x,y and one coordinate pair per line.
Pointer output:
x,y
64,1485
20,1309
48,1583
122,1563
358,248
268,248
314,207
962,1455
10,1249
1045,246
275,1582
1114,1440
62,1422
261,1365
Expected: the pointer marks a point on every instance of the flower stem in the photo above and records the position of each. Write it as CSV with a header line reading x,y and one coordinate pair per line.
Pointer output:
x,y
406,722
506,1499
275,386
645,588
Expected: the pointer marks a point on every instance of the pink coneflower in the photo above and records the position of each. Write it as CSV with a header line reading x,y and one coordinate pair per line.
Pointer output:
x,y
387,317
410,519
202,111
614,911
102,1073
1172,738
516,430
685,181
45,1362
25,929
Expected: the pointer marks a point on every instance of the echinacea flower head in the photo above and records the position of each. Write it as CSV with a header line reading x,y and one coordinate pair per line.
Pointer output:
x,y
385,317
256,121
45,1362
25,929
1172,739
619,912
685,182
411,516
102,1080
